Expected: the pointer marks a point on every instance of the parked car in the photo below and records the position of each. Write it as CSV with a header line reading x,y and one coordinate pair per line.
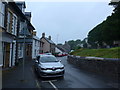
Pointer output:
x,y
64,54
61,54
48,53
49,66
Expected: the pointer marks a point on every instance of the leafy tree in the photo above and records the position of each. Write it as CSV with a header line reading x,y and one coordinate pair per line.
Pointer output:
x,y
107,31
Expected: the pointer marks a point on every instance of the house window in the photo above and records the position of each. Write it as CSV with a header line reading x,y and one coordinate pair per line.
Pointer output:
x,y
2,14
21,27
35,42
14,25
9,22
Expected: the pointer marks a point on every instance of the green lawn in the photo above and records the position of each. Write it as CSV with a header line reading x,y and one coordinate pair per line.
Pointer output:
x,y
105,53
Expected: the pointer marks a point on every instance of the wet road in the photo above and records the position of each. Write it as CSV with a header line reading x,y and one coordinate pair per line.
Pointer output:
x,y
74,78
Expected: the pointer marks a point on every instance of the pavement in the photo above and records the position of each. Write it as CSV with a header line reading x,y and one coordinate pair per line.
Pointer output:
x,y
14,77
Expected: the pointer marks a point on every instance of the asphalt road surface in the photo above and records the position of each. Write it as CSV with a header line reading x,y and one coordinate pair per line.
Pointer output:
x,y
74,78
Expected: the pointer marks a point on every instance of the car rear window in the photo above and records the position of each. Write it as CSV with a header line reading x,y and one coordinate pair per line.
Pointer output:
x,y
48,59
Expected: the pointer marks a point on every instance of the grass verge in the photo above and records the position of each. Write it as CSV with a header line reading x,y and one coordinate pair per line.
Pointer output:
x,y
104,53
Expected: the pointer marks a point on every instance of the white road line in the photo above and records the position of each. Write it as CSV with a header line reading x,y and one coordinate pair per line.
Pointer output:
x,y
53,80
37,84
53,85
49,81
44,81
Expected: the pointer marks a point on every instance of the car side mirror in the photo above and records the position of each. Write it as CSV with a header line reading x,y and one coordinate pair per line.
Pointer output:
x,y
38,57
36,61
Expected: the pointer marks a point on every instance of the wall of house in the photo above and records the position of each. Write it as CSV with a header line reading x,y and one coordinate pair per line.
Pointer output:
x,y
58,50
8,36
35,48
52,48
1,52
20,50
12,54
107,67
2,17
46,46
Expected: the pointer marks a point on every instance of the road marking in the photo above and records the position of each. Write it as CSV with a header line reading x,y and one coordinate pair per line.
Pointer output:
x,y
53,85
37,84
49,81
44,81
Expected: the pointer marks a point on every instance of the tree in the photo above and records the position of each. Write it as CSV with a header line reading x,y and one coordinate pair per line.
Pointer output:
x,y
107,31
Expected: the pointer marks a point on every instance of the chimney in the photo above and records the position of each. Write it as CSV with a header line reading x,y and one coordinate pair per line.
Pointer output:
x,y
43,34
49,37
65,42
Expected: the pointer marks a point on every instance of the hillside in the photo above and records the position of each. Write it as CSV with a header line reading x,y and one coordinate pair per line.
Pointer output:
x,y
105,53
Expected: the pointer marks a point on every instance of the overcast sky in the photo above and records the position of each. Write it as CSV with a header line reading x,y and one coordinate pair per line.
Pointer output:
x,y
67,20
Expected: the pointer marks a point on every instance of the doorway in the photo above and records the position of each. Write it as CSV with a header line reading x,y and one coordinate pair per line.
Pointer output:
x,y
6,54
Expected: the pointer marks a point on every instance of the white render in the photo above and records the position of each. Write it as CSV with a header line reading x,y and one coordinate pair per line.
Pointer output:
x,y
20,50
35,47
12,54
57,50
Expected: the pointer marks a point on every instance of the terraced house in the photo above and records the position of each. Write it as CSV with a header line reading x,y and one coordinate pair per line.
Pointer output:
x,y
2,27
9,34
13,22
25,29
46,44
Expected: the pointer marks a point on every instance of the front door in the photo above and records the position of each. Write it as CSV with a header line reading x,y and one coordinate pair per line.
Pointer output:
x,y
6,54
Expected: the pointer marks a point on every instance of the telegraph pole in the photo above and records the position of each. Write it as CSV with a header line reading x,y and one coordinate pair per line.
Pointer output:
x,y
24,34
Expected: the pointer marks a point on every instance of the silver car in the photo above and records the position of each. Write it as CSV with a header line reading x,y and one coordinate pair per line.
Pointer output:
x,y
49,66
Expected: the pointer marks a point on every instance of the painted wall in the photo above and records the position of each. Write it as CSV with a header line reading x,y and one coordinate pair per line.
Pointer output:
x,y
58,50
46,46
35,48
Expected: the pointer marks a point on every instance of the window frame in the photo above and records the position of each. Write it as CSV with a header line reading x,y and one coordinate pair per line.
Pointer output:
x,y
9,21
2,14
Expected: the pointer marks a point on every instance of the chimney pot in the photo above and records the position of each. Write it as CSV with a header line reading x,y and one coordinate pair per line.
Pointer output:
x,y
43,34
49,37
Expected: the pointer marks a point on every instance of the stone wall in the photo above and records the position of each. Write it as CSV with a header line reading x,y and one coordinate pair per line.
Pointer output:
x,y
103,66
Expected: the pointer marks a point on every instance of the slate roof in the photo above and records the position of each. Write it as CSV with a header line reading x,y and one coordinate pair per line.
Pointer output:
x,y
50,41
28,14
21,2
61,48
35,37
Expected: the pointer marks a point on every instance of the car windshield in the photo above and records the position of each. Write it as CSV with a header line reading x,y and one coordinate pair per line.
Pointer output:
x,y
48,59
